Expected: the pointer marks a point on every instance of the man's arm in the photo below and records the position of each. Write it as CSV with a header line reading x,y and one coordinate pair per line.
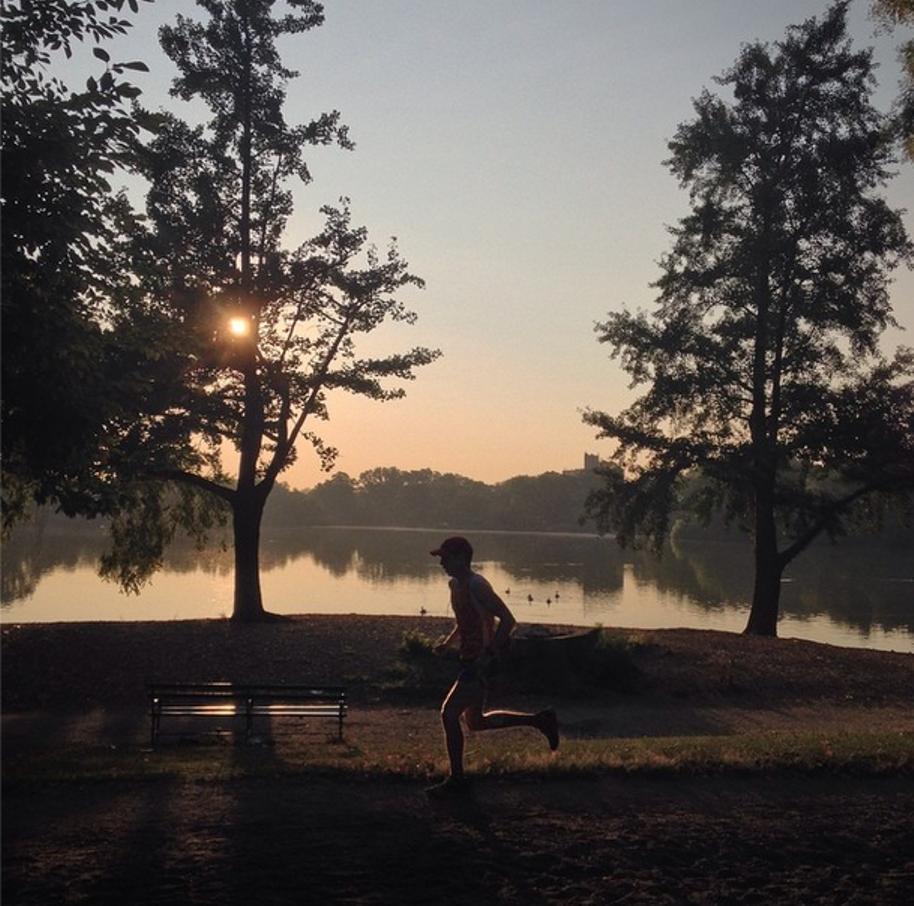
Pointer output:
x,y
489,599
447,641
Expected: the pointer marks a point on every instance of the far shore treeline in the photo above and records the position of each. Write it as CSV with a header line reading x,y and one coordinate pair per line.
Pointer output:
x,y
423,498
552,501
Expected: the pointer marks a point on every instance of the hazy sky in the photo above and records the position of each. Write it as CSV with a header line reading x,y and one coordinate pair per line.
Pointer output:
x,y
514,147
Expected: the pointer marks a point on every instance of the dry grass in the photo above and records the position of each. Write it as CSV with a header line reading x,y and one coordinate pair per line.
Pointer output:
x,y
669,701
395,751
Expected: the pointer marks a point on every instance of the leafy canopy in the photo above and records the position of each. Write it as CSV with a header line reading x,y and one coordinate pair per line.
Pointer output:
x,y
761,360
61,371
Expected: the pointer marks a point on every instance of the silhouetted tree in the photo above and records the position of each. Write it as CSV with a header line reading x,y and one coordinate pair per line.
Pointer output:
x,y
762,359
252,335
62,365
894,13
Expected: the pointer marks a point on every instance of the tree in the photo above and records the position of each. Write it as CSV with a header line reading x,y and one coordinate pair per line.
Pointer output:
x,y
250,335
762,355
893,13
60,384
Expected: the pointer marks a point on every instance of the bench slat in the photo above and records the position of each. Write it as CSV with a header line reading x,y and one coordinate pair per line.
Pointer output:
x,y
224,699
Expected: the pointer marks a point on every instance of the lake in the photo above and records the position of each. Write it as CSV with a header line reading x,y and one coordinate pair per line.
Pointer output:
x,y
851,594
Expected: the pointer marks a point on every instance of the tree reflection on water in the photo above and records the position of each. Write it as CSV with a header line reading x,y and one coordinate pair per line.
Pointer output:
x,y
856,584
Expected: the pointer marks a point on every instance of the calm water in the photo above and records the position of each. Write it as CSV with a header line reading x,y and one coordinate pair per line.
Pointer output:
x,y
847,595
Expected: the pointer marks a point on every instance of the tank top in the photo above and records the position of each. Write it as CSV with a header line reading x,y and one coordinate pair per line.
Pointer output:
x,y
475,624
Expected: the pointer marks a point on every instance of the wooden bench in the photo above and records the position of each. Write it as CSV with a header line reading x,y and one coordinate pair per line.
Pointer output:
x,y
228,700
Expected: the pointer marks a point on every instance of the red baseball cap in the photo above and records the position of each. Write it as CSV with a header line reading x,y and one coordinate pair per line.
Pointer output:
x,y
455,545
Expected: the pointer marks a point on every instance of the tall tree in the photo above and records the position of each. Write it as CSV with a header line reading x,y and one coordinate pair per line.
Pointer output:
x,y
762,359
253,334
60,384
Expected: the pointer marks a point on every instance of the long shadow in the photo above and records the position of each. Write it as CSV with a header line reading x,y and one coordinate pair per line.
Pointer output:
x,y
471,815
29,733
316,840
95,843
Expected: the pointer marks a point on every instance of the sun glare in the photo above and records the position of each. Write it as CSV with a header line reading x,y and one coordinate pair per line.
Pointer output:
x,y
238,326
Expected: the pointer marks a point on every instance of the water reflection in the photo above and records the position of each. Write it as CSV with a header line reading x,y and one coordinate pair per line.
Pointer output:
x,y
865,588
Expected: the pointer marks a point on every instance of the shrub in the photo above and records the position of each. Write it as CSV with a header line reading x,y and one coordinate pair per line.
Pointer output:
x,y
577,664
582,665
418,669
611,664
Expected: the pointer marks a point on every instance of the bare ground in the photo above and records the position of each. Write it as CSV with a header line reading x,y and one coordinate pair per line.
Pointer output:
x,y
763,840
772,837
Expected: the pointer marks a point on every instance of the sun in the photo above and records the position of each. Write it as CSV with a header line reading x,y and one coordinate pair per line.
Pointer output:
x,y
239,326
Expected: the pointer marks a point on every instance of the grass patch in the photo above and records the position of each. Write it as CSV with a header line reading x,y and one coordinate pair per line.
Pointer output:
x,y
508,753
873,753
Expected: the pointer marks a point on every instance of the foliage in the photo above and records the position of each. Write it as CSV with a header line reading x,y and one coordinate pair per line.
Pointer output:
x,y
612,663
531,666
425,498
61,377
418,669
147,522
893,13
414,644
762,358
581,665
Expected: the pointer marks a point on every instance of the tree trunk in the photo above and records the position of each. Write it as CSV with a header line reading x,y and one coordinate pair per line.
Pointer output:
x,y
246,516
766,593
763,617
248,506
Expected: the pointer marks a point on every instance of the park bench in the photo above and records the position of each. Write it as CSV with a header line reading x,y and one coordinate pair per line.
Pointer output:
x,y
228,700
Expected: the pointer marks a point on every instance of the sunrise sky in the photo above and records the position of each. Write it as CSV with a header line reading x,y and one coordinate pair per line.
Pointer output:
x,y
514,147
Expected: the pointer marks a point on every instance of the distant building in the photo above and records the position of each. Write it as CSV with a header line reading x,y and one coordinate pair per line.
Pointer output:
x,y
591,461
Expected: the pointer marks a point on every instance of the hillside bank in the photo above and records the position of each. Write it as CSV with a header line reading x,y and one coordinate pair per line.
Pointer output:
x,y
62,666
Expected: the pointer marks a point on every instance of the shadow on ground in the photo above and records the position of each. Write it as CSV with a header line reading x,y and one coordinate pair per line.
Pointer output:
x,y
316,840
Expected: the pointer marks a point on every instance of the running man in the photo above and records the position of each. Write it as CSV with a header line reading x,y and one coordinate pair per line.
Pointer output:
x,y
477,608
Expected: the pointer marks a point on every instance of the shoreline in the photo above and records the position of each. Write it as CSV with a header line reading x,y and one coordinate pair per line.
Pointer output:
x,y
884,640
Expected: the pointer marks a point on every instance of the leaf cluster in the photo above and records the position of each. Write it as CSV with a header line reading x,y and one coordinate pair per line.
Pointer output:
x,y
894,13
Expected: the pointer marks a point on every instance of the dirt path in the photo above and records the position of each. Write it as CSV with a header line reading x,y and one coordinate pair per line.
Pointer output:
x,y
767,840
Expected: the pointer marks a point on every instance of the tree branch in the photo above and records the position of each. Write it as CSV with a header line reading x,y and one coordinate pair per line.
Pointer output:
x,y
267,211
828,513
282,450
189,478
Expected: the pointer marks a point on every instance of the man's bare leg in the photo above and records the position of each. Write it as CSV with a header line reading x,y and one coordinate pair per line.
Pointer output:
x,y
544,721
465,696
